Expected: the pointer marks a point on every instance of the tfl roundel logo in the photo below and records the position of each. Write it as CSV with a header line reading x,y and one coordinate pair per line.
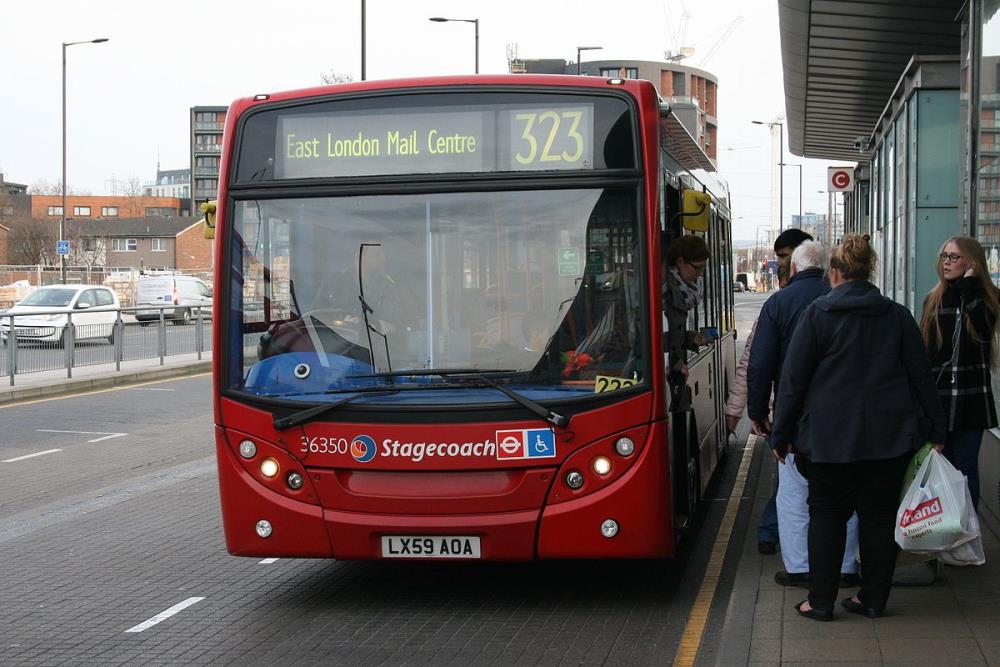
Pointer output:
x,y
363,449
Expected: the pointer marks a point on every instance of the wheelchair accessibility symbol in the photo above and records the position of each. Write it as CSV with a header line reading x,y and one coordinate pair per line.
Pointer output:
x,y
526,444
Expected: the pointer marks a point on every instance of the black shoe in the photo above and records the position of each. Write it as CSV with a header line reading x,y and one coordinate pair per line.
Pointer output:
x,y
800,579
849,580
767,548
815,614
857,608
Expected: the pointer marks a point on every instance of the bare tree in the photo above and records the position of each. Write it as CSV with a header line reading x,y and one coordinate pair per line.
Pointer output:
x,y
133,189
31,241
44,187
332,77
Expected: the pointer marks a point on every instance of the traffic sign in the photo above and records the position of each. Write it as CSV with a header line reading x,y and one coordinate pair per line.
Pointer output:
x,y
569,261
62,247
840,179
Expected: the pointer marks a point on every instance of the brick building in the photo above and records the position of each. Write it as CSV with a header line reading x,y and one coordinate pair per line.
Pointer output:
x,y
104,206
140,243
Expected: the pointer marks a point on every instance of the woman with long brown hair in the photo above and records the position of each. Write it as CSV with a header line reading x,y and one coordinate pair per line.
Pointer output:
x,y
959,327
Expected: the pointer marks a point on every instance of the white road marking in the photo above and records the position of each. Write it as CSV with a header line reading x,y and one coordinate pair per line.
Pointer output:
x,y
31,456
268,561
107,435
154,389
164,615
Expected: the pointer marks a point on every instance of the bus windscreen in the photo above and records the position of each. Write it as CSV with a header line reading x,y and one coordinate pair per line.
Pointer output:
x,y
437,134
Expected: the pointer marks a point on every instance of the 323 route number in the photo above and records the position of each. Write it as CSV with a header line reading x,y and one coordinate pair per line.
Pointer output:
x,y
603,383
552,136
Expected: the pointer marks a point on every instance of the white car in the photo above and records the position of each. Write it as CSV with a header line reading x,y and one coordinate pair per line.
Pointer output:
x,y
44,314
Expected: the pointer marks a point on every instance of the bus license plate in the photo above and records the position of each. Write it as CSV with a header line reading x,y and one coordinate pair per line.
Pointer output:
x,y
430,546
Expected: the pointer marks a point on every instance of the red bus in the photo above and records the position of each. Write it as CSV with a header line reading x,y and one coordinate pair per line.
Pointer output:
x,y
439,321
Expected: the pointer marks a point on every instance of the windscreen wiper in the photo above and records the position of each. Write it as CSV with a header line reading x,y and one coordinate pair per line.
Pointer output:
x,y
296,418
482,376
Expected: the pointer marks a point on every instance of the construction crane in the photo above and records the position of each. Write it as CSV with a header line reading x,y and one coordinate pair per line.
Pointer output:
x,y
514,64
677,50
722,38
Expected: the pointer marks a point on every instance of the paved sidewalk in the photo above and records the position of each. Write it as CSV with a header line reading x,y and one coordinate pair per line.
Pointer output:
x,y
29,386
955,621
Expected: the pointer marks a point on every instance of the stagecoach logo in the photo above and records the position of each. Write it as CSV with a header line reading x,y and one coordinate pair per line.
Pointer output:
x,y
921,512
363,448
526,444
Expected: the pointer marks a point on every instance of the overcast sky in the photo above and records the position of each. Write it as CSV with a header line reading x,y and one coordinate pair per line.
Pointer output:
x,y
128,99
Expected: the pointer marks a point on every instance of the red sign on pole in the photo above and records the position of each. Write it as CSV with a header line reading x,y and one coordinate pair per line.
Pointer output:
x,y
840,179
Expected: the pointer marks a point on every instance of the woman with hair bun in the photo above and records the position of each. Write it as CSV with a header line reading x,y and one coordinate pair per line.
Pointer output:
x,y
959,327
857,398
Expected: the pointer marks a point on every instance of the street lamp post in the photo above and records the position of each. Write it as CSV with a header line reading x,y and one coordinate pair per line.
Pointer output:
x,y
799,165
62,219
781,170
584,48
363,31
440,19
758,253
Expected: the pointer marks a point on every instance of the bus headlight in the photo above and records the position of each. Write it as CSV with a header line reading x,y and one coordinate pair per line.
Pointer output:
x,y
294,480
609,528
624,446
263,528
268,467
248,449
574,479
601,465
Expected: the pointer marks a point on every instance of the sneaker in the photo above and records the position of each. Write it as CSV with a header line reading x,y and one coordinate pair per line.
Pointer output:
x,y
800,579
767,548
849,580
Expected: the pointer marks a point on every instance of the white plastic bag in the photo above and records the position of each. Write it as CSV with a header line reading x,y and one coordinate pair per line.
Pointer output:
x,y
936,514
970,553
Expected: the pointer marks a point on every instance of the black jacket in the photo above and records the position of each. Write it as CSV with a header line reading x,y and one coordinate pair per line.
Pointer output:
x,y
856,383
963,379
775,326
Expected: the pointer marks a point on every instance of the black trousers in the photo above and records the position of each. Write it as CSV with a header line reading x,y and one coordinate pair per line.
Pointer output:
x,y
836,490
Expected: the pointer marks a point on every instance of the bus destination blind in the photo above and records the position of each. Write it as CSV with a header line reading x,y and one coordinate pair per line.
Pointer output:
x,y
434,141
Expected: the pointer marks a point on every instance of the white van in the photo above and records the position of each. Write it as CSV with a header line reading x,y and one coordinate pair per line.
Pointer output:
x,y
186,294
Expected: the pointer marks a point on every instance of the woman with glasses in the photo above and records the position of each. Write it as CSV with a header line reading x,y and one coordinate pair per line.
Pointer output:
x,y
959,326
684,262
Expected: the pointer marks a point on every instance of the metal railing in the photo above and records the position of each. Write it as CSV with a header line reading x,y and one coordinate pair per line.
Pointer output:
x,y
31,344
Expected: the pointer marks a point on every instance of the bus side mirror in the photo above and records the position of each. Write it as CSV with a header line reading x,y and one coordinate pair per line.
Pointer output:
x,y
208,222
696,206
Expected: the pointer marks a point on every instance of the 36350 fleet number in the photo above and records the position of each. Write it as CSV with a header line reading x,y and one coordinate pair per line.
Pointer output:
x,y
323,445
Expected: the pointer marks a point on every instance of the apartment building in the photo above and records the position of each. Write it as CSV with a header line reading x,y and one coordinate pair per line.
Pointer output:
x,y
207,124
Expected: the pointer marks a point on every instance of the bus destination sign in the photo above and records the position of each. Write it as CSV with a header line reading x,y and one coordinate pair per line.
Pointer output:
x,y
430,140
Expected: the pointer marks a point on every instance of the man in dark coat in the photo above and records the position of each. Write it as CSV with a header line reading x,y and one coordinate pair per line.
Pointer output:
x,y
784,245
775,326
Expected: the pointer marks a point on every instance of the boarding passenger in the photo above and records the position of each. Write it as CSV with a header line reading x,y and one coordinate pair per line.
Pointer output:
x,y
767,529
685,260
855,397
963,350
807,260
